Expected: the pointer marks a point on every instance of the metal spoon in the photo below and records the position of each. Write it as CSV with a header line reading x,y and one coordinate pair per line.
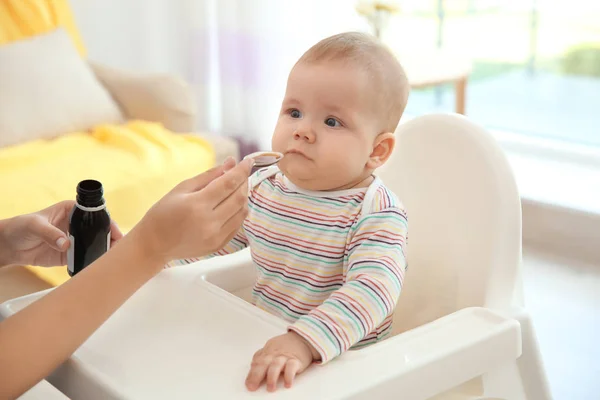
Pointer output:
x,y
265,158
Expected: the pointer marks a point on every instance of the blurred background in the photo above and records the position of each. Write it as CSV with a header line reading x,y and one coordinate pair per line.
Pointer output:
x,y
528,70
533,66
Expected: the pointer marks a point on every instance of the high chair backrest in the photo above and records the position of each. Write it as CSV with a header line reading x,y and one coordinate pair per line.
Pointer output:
x,y
464,218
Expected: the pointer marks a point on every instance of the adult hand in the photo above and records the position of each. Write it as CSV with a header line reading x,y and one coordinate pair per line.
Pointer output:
x,y
40,238
200,215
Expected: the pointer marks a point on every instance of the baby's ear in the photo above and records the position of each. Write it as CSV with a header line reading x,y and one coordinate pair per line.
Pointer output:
x,y
383,146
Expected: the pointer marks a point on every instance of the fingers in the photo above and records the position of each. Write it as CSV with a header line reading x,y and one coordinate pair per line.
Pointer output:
x,y
49,233
221,188
229,207
200,181
258,371
292,367
115,232
58,214
269,368
64,206
232,226
274,371
228,164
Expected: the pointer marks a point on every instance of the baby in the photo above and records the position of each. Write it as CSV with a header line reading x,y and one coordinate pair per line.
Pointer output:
x,y
327,237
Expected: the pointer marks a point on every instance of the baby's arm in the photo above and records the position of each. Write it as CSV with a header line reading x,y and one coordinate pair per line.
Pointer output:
x,y
369,295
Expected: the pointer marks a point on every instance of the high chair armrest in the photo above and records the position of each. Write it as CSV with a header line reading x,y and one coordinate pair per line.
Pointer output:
x,y
419,364
423,362
231,273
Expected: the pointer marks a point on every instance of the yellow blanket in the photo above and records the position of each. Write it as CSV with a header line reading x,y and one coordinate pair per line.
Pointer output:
x,y
137,164
20,19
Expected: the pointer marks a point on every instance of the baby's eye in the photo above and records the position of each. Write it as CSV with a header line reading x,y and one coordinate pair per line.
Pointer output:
x,y
332,122
295,113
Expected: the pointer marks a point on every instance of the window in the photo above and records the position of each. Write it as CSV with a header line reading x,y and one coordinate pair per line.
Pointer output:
x,y
535,63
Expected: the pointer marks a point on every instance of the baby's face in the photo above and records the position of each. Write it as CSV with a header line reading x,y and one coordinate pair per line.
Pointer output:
x,y
327,126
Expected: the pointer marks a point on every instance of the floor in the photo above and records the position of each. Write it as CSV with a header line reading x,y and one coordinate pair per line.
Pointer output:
x,y
563,297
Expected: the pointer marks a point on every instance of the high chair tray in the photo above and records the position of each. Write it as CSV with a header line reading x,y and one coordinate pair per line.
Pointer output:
x,y
181,336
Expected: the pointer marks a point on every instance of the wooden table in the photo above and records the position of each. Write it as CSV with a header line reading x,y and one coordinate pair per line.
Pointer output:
x,y
427,68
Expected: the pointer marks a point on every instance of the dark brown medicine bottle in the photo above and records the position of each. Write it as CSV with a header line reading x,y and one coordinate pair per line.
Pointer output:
x,y
89,227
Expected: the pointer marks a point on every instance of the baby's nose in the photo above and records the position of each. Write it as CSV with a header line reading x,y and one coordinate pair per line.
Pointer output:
x,y
305,134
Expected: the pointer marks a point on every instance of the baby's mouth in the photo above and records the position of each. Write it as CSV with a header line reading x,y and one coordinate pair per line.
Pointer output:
x,y
296,152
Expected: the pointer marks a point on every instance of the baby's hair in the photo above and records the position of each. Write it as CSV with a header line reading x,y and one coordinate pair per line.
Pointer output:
x,y
366,51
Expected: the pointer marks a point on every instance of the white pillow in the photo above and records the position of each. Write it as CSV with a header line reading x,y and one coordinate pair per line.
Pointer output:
x,y
47,89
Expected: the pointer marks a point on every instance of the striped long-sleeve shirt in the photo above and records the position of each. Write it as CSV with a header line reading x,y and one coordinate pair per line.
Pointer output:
x,y
330,263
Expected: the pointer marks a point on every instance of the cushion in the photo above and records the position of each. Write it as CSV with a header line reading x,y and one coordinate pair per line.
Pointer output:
x,y
47,90
154,97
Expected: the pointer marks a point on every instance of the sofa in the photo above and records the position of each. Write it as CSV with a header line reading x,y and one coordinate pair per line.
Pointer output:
x,y
137,136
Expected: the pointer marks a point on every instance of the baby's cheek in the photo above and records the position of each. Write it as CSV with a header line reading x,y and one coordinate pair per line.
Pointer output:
x,y
282,165
342,165
279,138
337,153
276,144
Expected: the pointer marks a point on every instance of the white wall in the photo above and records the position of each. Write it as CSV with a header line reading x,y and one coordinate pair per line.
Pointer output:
x,y
154,35
141,35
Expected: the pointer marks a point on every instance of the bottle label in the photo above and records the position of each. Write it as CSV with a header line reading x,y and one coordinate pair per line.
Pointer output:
x,y
71,255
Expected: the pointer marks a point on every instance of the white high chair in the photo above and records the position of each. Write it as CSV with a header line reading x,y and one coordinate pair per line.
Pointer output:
x,y
464,258
464,239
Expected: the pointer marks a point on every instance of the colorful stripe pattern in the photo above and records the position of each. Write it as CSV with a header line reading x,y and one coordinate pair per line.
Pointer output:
x,y
333,272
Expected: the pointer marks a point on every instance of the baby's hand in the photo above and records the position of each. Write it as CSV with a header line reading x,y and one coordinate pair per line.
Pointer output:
x,y
288,354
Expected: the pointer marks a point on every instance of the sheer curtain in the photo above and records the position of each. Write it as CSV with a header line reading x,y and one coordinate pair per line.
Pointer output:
x,y
242,52
236,54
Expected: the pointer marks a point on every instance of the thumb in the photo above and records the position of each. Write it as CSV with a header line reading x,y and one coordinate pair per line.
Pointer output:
x,y
50,234
200,181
